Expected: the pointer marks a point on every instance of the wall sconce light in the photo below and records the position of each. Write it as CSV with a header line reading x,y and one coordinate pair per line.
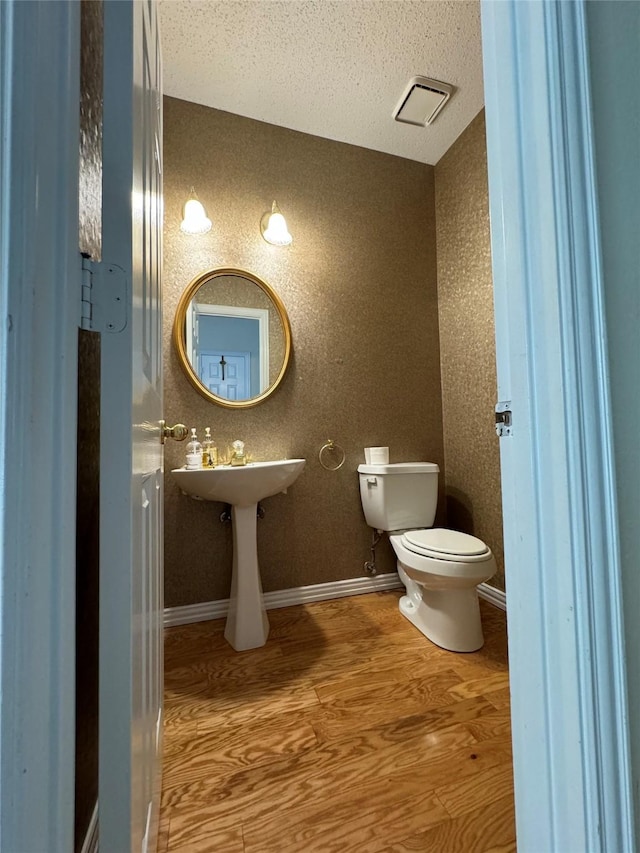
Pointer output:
x,y
195,219
273,227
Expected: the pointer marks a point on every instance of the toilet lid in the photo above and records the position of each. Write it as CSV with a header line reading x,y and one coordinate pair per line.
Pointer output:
x,y
441,543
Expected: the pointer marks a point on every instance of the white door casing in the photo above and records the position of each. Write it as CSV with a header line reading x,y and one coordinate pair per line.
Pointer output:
x,y
566,649
39,316
131,508
260,315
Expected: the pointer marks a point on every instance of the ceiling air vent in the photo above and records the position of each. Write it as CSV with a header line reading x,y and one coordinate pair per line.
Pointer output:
x,y
422,100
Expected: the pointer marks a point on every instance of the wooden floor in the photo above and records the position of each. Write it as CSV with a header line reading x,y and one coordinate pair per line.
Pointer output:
x,y
348,731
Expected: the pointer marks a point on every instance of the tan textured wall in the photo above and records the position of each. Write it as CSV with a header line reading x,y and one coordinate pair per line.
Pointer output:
x,y
90,177
467,341
88,465
359,284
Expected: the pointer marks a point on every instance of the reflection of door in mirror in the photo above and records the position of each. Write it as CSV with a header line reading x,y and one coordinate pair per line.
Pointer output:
x,y
229,348
227,375
232,336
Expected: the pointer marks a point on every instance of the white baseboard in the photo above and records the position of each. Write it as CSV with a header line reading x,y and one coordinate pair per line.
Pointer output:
x,y
496,596
90,844
284,598
206,610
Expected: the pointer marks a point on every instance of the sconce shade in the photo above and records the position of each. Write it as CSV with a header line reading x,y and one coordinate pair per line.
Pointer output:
x,y
195,219
273,227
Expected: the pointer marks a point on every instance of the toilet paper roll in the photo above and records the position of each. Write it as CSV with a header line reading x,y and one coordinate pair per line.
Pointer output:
x,y
376,455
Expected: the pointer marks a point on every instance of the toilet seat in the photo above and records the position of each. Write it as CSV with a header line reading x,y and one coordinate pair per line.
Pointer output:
x,y
442,544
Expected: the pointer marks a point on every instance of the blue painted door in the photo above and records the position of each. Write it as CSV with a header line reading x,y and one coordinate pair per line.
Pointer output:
x,y
240,336
131,595
226,374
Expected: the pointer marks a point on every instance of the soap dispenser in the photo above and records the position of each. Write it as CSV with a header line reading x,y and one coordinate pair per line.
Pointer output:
x,y
194,452
209,450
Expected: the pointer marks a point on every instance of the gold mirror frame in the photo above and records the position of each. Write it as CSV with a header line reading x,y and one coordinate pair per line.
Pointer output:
x,y
179,336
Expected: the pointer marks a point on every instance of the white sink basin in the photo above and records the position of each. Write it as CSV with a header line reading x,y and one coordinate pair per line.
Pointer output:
x,y
247,624
240,486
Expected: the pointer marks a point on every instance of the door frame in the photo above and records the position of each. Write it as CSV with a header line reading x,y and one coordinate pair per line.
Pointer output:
x,y
568,671
566,642
40,311
259,314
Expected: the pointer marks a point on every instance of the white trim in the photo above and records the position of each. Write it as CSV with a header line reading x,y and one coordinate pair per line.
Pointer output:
x,y
495,596
40,313
284,598
91,839
569,707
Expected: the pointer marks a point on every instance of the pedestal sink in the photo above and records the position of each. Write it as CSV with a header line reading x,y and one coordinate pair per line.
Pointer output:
x,y
243,486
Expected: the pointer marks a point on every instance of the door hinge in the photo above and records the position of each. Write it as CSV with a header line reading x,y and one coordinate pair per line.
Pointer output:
x,y
503,418
103,301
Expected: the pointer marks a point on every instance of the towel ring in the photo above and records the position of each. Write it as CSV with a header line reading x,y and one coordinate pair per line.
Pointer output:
x,y
332,452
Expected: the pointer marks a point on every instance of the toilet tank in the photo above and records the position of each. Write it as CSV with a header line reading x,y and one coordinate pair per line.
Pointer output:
x,y
399,496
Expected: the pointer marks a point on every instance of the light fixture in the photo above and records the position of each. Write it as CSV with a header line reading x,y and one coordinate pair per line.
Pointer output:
x,y
273,227
195,219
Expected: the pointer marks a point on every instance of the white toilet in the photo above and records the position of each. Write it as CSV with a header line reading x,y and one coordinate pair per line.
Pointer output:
x,y
440,568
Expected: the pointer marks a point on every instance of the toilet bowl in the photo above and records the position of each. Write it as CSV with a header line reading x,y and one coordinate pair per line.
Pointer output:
x,y
440,568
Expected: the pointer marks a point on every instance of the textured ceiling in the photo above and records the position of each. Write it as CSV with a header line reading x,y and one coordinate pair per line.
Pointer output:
x,y
333,68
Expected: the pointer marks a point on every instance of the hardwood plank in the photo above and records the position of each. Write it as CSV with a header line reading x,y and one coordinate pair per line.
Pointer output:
x,y
272,669
501,698
242,706
467,832
351,620
497,681
363,820
197,834
333,723
163,834
354,655
349,730
175,734
361,691
222,664
491,725
300,777
220,752
468,668
479,790
280,822
313,777
188,641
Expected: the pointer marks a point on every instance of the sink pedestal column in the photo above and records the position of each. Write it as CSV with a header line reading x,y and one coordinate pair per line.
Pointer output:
x,y
247,624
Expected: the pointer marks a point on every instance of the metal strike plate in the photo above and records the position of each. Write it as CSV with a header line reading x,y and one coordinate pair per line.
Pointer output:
x,y
504,418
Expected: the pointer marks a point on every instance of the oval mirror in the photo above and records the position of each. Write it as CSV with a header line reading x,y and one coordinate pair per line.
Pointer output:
x,y
233,337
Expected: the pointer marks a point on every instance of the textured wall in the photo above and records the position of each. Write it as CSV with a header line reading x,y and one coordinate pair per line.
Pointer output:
x,y
88,468
359,284
87,581
90,226
467,341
